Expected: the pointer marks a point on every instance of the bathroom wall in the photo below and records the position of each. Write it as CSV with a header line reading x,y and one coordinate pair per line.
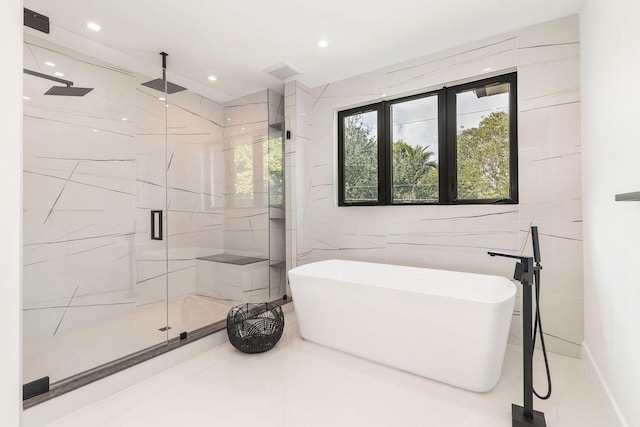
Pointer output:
x,y
546,57
10,227
93,169
298,114
610,62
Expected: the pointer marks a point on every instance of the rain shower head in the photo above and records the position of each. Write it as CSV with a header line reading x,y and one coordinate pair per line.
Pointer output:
x,y
67,90
159,84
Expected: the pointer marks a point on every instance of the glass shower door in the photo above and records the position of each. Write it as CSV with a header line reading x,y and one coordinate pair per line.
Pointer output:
x,y
94,283
195,213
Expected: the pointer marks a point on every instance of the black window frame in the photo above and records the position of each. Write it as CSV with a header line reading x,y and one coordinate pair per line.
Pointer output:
x,y
377,107
447,145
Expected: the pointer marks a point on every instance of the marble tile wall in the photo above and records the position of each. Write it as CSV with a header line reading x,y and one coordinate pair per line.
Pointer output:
x,y
291,199
298,116
546,57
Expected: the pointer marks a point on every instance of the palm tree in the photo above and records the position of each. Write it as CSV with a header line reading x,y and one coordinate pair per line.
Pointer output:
x,y
411,165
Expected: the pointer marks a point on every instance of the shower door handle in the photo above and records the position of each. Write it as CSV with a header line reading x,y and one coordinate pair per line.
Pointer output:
x,y
156,225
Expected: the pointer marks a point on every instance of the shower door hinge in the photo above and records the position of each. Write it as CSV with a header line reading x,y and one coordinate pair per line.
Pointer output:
x,y
35,388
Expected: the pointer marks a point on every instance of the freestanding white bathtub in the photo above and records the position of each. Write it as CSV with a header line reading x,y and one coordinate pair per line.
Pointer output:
x,y
447,326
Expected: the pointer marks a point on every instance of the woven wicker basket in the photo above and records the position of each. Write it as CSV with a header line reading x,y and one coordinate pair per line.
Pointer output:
x,y
255,328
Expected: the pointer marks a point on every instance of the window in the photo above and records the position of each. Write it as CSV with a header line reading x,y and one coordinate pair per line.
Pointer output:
x,y
457,145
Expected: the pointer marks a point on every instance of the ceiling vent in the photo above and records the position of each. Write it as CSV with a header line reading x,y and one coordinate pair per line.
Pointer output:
x,y
282,71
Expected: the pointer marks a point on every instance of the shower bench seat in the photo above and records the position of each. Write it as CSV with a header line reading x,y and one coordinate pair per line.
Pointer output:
x,y
232,279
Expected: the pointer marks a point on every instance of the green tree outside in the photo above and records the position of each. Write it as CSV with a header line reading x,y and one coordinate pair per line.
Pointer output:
x,y
483,159
243,171
415,174
360,161
483,163
273,172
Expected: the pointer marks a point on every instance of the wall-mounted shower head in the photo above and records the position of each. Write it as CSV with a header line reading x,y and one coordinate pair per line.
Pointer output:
x,y
67,90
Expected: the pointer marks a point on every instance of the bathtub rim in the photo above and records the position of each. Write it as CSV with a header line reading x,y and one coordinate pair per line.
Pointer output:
x,y
511,292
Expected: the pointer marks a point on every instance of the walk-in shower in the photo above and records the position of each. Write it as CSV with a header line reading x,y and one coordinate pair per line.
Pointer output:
x,y
97,285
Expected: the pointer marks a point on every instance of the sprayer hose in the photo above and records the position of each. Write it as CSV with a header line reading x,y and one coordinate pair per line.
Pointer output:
x,y
538,325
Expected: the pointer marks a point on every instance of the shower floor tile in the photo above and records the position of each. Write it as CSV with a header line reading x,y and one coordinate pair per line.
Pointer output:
x,y
78,350
302,384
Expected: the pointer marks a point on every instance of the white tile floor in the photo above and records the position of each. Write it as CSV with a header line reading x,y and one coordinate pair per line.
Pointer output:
x,y
301,384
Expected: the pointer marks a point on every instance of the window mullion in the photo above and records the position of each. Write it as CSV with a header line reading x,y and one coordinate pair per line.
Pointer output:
x,y
341,159
513,138
386,144
443,155
451,180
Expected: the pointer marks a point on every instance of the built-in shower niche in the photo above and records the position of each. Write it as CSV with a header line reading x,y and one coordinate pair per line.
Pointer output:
x,y
277,213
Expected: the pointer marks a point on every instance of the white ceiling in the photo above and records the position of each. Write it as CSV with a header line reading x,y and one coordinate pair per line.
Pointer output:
x,y
237,39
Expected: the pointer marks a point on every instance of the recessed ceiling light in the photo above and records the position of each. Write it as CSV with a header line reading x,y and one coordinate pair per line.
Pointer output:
x,y
212,78
49,63
124,119
59,74
323,44
228,120
487,69
93,26
161,99
25,97
95,130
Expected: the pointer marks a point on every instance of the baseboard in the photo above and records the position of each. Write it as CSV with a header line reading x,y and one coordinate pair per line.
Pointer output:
x,y
603,391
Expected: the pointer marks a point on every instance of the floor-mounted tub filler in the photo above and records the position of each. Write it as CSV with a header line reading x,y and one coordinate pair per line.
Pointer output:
x,y
447,326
